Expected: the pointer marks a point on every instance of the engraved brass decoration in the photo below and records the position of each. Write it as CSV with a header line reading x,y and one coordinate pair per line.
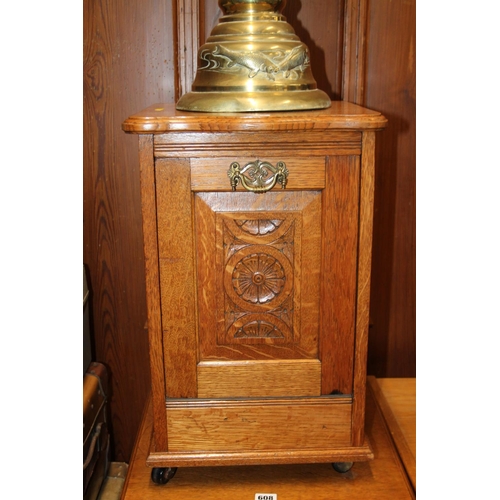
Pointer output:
x,y
253,61
258,176
289,64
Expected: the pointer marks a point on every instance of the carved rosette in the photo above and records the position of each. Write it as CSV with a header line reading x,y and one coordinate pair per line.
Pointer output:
x,y
258,278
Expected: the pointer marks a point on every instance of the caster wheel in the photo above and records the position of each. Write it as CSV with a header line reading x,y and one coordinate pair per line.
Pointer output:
x,y
162,475
342,466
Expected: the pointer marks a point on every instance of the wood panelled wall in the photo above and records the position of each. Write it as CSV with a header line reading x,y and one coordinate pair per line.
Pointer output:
x,y
138,52
390,87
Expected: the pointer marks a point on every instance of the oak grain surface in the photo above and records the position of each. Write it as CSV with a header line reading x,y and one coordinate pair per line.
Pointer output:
x,y
163,117
151,263
379,479
279,276
126,66
363,282
390,87
242,428
177,276
221,379
302,207
396,398
338,273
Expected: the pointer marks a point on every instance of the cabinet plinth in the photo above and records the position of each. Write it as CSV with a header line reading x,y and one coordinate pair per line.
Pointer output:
x,y
257,240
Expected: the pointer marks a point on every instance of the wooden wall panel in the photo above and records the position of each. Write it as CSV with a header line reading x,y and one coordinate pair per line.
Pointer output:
x,y
128,64
354,50
390,88
187,41
319,25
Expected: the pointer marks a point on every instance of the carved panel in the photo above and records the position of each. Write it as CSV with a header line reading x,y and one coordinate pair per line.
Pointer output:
x,y
256,298
259,226
257,268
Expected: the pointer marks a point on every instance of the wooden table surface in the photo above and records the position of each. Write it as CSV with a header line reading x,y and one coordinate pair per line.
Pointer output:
x,y
396,399
383,478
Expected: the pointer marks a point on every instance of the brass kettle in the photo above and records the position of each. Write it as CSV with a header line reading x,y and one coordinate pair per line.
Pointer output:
x,y
253,61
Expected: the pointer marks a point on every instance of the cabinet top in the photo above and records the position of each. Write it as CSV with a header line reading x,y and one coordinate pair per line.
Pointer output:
x,y
162,118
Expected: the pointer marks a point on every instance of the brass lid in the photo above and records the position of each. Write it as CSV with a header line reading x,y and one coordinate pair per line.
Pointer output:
x,y
253,61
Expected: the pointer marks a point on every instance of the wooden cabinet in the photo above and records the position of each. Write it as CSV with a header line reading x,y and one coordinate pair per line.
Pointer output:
x,y
257,238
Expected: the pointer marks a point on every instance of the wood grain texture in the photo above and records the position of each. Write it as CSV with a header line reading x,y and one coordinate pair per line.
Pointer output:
x,y
204,144
163,117
126,66
323,39
310,424
338,273
177,276
209,206
258,261
354,50
262,378
152,270
367,181
391,88
187,18
210,174
261,457
379,479
396,398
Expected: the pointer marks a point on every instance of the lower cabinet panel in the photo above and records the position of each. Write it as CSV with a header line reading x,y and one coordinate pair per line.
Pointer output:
x,y
216,426
259,378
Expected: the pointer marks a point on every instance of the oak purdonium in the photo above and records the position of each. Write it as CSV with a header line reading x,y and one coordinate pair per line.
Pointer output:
x,y
258,299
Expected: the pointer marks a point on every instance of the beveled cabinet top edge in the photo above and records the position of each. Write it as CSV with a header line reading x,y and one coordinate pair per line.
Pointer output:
x,y
162,118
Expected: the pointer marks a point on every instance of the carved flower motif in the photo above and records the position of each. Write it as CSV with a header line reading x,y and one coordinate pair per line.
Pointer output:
x,y
258,278
259,226
258,329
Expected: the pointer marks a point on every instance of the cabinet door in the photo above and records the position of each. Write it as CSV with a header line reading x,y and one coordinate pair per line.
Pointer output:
x,y
258,268
258,290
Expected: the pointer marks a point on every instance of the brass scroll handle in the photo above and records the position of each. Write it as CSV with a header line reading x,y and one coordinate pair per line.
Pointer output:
x,y
258,176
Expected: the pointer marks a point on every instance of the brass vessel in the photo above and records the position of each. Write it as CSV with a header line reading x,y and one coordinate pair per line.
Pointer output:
x,y
253,61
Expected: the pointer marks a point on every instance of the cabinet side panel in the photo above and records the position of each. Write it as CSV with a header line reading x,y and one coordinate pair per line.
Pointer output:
x,y
364,275
152,287
338,273
177,276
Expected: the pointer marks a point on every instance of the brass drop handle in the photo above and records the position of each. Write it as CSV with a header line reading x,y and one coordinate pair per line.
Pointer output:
x,y
258,176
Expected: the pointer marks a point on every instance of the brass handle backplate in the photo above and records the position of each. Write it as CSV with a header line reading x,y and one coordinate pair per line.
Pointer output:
x,y
258,176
